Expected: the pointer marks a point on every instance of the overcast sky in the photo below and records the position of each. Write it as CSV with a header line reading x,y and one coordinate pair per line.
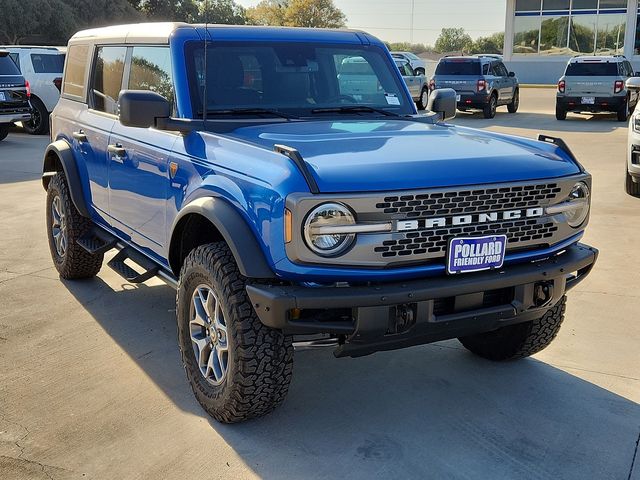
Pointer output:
x,y
391,19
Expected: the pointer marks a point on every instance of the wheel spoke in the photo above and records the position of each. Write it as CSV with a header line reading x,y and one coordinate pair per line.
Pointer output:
x,y
203,348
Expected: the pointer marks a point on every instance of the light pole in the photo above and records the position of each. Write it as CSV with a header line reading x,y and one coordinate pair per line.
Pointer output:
x,y
413,6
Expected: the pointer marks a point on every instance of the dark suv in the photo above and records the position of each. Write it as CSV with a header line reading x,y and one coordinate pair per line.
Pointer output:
x,y
480,81
14,95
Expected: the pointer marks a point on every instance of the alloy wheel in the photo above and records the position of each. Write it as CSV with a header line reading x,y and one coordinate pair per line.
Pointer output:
x,y
58,226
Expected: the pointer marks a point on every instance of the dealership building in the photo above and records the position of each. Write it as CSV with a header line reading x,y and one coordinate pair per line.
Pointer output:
x,y
541,35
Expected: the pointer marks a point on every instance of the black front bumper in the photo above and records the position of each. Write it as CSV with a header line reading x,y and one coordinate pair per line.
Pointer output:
x,y
370,318
601,104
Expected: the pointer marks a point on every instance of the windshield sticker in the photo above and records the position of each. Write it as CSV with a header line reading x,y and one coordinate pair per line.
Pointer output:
x,y
392,99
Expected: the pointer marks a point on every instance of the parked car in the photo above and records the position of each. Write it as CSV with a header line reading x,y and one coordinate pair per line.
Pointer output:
x,y
417,64
481,82
596,84
279,204
42,67
632,170
14,95
417,84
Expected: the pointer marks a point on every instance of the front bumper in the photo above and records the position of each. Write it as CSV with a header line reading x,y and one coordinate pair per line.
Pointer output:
x,y
601,104
15,117
438,308
633,165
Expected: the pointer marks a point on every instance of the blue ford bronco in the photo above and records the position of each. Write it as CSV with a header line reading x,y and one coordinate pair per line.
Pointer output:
x,y
289,203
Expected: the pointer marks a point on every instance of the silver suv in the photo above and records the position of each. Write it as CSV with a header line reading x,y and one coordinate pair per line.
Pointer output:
x,y
596,84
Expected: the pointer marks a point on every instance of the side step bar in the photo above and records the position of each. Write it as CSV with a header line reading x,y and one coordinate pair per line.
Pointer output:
x,y
99,241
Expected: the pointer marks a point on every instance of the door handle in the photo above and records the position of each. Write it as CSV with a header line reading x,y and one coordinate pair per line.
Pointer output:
x,y
117,152
79,136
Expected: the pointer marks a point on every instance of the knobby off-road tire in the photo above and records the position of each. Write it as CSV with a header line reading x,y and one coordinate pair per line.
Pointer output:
x,y
259,360
64,226
490,110
519,340
512,107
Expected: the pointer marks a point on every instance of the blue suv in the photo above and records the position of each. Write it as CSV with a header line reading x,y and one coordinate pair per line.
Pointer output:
x,y
288,204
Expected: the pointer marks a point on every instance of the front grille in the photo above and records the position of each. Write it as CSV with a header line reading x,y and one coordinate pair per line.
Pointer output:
x,y
435,241
469,201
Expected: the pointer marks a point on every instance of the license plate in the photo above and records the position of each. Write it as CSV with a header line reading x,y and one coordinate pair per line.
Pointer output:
x,y
3,98
457,98
588,100
473,254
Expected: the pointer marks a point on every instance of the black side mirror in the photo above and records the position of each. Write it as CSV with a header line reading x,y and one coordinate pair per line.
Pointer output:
x,y
417,72
142,108
512,74
443,101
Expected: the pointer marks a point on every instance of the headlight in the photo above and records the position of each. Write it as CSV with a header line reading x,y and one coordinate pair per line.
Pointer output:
x,y
322,229
636,123
575,207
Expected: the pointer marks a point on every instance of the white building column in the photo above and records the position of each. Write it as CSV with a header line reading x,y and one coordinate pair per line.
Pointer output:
x,y
630,33
507,49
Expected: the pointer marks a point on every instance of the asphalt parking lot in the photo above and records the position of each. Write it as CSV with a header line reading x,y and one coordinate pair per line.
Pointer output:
x,y
91,384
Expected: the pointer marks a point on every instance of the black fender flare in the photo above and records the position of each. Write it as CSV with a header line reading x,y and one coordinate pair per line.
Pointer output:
x,y
234,230
59,155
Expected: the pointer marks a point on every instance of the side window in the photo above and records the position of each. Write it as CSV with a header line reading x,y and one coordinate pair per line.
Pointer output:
x,y
485,69
74,76
502,70
16,59
629,69
47,63
151,70
494,70
107,79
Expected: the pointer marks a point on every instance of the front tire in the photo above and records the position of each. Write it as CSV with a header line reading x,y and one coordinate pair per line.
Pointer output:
x,y
489,111
39,123
424,99
515,102
237,367
519,340
64,227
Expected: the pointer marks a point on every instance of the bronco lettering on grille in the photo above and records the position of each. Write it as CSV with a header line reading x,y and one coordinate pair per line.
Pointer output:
x,y
426,223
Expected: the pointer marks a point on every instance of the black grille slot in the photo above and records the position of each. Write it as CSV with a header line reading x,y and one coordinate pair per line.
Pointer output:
x,y
470,200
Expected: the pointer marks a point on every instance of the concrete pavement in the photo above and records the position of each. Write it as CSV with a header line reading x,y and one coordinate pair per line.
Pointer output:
x,y
91,384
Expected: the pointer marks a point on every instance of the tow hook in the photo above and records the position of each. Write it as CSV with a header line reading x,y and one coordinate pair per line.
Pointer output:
x,y
542,294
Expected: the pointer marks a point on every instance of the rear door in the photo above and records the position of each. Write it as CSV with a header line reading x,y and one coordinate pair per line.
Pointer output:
x,y
138,158
413,83
506,84
460,74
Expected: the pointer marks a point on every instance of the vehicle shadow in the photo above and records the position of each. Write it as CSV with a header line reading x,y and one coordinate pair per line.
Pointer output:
x,y
425,412
596,123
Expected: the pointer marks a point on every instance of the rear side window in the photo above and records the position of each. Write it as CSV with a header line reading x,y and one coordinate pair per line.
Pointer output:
x,y
47,63
107,79
74,76
151,70
458,67
8,66
609,69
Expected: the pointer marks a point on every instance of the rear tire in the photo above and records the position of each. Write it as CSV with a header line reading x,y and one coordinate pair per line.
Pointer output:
x,y
4,130
515,102
64,227
39,123
623,113
519,340
424,99
561,113
631,187
489,111
244,370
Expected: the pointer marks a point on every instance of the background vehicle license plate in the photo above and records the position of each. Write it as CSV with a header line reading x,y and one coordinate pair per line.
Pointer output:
x,y
472,254
588,100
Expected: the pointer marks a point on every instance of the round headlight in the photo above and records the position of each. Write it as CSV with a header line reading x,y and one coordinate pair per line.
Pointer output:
x,y
323,229
579,200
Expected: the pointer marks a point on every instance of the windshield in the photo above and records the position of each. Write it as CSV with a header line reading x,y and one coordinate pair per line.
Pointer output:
x,y
458,67
592,69
8,66
297,78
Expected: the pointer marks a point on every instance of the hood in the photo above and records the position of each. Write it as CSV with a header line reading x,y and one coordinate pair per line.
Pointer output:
x,y
364,156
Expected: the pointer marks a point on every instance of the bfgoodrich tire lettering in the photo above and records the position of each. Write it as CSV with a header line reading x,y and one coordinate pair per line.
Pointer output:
x,y
72,261
519,340
259,361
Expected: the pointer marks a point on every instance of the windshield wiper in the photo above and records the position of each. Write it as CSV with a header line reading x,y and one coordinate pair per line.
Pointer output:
x,y
354,109
251,111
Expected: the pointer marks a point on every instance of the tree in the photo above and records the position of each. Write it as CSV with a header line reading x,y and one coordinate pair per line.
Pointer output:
x,y
297,13
222,11
416,48
491,44
268,12
16,26
169,10
453,40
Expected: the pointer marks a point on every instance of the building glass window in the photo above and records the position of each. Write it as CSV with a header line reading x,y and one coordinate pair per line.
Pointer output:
x,y
584,4
528,5
526,34
636,48
613,4
582,34
555,5
610,37
553,35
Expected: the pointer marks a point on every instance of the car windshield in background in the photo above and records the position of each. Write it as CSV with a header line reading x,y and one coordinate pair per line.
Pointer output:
x,y
47,62
297,78
458,67
592,69
8,66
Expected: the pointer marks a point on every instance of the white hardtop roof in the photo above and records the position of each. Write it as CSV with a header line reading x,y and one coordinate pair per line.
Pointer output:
x,y
133,33
597,58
